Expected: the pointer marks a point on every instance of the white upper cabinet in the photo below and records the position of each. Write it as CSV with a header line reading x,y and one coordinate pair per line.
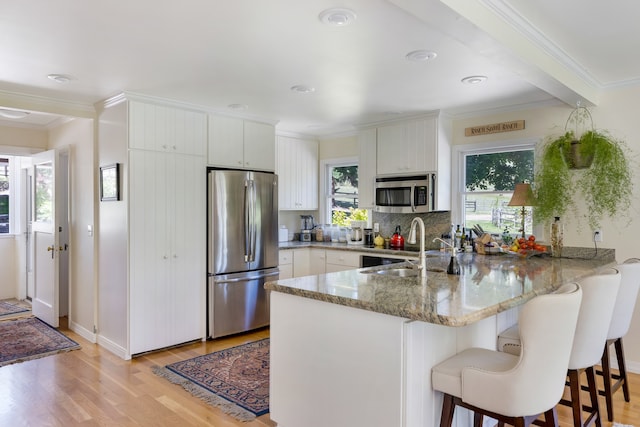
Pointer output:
x,y
297,169
259,146
241,144
407,147
167,129
414,146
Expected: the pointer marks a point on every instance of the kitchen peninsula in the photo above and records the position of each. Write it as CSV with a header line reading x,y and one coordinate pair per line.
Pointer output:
x,y
356,347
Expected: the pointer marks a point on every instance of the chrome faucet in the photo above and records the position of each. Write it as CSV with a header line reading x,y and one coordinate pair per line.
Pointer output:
x,y
454,267
412,239
453,248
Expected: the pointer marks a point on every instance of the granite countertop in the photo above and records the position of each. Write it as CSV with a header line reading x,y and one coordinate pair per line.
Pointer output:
x,y
487,285
409,252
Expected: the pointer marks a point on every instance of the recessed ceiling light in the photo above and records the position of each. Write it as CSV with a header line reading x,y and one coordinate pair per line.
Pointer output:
x,y
421,55
303,89
60,78
474,80
238,106
337,17
13,114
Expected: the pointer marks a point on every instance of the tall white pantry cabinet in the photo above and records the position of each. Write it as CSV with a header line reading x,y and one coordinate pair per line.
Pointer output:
x,y
167,165
154,238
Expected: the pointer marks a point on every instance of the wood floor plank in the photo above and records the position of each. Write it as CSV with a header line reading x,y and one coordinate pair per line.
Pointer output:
x,y
93,387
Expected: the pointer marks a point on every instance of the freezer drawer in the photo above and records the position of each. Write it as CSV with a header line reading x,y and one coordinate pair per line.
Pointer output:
x,y
238,302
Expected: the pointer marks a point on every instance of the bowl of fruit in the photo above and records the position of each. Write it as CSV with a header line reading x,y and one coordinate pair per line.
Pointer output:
x,y
526,248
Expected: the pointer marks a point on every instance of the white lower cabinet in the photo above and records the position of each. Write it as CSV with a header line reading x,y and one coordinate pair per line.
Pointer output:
x,y
167,249
317,261
312,261
342,260
285,264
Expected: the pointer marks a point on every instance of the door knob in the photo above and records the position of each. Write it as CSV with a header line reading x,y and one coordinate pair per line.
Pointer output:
x,y
52,250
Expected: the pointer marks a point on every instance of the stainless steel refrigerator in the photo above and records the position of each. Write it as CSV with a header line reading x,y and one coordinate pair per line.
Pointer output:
x,y
242,249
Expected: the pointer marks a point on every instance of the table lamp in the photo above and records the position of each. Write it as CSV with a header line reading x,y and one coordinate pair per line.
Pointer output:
x,y
522,196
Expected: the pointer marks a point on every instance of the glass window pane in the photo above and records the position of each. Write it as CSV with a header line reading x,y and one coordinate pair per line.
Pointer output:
x,y
344,195
498,171
491,212
490,178
4,195
44,192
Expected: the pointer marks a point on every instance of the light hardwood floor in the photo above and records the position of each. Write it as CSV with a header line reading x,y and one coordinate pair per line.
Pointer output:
x,y
92,387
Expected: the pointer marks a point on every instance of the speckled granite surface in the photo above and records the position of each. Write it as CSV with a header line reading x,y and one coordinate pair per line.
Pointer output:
x,y
345,247
488,284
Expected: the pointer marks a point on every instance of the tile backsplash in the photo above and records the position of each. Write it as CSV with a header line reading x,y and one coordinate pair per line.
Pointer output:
x,y
435,224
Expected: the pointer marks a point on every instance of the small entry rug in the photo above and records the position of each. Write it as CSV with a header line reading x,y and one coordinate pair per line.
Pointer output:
x,y
9,309
236,380
30,338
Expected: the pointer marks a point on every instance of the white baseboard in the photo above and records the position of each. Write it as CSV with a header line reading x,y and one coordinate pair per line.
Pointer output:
x,y
633,367
83,332
114,348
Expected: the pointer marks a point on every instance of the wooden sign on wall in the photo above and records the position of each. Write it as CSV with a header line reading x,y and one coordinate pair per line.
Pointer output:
x,y
494,128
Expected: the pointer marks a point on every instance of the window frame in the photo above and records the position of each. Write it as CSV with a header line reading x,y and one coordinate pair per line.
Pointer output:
x,y
458,170
324,211
14,186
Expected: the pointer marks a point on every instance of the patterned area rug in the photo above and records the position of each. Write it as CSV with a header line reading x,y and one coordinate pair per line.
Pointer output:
x,y
30,338
9,309
236,380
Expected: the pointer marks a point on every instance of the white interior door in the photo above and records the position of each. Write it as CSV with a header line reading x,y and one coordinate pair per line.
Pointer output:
x,y
45,300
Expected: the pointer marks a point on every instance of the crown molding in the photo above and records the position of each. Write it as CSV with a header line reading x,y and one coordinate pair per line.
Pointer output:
x,y
44,104
522,25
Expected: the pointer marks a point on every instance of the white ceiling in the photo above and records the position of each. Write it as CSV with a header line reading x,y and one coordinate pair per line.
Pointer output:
x,y
213,53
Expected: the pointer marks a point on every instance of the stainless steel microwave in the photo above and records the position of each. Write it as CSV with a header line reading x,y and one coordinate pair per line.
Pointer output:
x,y
405,193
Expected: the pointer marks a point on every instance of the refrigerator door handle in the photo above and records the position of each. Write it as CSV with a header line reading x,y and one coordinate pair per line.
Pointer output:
x,y
244,279
254,230
250,231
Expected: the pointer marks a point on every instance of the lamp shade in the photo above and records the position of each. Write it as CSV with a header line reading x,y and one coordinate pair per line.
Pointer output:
x,y
522,196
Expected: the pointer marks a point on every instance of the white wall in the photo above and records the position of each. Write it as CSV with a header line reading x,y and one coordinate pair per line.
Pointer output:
x,y
112,235
346,146
8,284
618,114
78,136
21,141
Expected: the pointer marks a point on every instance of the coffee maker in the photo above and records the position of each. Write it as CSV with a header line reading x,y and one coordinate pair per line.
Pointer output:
x,y
306,225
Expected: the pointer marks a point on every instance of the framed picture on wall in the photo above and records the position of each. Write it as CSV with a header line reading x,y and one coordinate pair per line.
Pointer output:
x,y
110,182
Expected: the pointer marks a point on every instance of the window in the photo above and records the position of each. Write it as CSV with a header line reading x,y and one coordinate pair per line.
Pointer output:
x,y
5,186
341,190
489,178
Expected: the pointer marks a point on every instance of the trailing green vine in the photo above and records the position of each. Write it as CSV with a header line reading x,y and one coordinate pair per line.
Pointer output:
x,y
605,186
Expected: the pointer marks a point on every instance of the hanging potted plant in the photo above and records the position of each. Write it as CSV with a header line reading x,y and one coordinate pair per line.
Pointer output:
x,y
592,166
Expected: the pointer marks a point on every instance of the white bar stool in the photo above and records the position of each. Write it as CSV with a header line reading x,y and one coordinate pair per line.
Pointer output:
x,y
599,295
511,388
620,322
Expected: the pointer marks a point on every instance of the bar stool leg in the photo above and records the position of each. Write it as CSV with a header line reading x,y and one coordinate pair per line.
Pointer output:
x,y
574,386
623,369
446,419
477,419
606,377
593,392
551,418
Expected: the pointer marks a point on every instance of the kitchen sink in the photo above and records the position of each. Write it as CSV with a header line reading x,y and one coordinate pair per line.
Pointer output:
x,y
402,271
